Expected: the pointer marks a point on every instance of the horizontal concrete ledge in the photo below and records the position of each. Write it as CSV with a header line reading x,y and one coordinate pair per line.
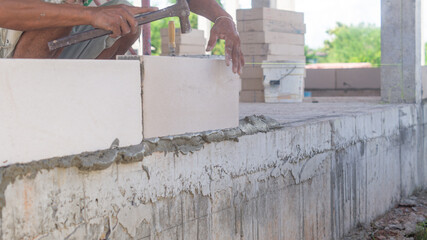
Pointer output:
x,y
103,159
313,172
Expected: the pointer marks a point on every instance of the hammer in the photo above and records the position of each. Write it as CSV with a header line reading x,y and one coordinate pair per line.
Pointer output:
x,y
180,9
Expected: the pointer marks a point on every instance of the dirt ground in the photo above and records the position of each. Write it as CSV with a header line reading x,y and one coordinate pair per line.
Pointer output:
x,y
403,222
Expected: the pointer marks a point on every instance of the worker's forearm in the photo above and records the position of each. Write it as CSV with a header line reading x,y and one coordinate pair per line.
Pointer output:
x,y
32,15
207,8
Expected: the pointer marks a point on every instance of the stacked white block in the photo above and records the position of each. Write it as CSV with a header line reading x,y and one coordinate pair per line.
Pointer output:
x,y
193,43
267,34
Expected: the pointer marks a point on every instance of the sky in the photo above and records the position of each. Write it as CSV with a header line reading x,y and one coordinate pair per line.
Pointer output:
x,y
321,15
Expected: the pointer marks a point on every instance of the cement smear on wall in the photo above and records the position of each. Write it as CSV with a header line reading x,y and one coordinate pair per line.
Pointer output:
x,y
94,161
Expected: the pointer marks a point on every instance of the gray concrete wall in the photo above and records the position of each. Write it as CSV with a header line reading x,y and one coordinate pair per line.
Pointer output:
x,y
304,180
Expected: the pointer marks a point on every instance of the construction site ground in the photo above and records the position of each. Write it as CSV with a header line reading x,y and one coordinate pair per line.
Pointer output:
x,y
408,220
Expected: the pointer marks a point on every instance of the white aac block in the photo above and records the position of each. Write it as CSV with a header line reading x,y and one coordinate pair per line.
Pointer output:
x,y
187,95
252,60
185,50
270,26
272,37
270,14
51,108
272,49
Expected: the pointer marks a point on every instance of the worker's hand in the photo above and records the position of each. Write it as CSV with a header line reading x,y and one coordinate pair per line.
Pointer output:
x,y
118,19
224,28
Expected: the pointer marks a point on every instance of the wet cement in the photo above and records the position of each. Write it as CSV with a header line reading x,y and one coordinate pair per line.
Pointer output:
x,y
100,160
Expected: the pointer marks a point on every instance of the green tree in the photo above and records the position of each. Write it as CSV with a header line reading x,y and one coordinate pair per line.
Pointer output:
x,y
353,43
310,55
425,54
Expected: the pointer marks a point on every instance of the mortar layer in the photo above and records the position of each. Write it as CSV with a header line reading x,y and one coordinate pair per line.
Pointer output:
x,y
93,161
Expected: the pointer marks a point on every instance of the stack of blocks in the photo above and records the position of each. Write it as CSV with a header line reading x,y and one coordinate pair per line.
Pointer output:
x,y
193,43
267,34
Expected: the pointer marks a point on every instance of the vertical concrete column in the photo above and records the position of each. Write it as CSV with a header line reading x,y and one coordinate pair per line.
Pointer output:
x,y
423,32
401,51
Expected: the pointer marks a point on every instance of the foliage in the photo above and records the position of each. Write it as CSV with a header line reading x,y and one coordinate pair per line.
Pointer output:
x,y
219,48
310,55
425,54
421,233
353,43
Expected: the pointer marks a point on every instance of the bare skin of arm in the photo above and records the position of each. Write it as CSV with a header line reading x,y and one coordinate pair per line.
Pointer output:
x,y
224,28
26,15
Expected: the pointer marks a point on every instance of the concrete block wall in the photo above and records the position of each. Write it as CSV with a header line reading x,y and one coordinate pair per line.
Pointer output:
x,y
267,34
312,179
343,82
49,109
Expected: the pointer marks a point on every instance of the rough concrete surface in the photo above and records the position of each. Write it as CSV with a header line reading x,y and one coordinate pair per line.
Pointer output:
x,y
315,172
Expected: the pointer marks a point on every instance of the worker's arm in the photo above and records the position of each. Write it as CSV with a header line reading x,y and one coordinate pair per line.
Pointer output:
x,y
27,15
224,28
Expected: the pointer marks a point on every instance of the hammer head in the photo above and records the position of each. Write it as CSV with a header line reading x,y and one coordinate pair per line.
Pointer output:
x,y
184,16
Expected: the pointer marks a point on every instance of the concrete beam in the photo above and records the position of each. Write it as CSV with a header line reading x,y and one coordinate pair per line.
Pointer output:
x,y
401,51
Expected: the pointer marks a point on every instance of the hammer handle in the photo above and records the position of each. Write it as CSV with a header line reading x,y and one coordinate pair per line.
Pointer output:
x,y
97,32
172,33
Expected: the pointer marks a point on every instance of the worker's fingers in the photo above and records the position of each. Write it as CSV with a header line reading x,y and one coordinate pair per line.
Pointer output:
x,y
133,24
114,24
212,41
236,60
116,31
130,19
242,62
224,28
228,52
124,27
